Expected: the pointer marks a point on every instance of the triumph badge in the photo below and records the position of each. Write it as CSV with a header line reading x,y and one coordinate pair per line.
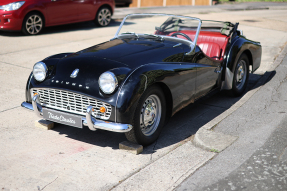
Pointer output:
x,y
74,73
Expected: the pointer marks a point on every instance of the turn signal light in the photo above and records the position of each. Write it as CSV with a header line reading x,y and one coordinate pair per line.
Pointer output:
x,y
102,109
35,94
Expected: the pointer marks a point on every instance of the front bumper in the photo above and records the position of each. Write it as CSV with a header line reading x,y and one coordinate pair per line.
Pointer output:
x,y
88,120
10,21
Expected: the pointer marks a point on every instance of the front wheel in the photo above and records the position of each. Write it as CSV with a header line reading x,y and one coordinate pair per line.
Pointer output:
x,y
241,75
148,118
103,17
32,24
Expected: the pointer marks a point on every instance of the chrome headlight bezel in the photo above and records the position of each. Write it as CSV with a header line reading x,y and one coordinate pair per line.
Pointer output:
x,y
12,6
108,82
40,67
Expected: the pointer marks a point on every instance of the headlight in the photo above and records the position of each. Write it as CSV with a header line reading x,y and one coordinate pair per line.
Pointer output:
x,y
108,82
40,71
12,6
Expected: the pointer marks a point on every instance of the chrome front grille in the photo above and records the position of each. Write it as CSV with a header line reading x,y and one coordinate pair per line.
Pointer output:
x,y
71,102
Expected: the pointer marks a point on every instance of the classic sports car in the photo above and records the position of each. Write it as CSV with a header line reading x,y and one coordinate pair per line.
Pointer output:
x,y
137,80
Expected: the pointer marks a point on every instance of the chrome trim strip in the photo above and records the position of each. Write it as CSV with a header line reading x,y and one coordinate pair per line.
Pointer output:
x,y
110,126
89,121
179,44
120,89
37,107
27,106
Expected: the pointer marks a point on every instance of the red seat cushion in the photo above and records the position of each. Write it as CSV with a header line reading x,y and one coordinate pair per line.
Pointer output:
x,y
211,49
207,36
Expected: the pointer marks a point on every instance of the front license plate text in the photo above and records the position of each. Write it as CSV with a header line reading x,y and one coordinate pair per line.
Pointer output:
x,y
63,118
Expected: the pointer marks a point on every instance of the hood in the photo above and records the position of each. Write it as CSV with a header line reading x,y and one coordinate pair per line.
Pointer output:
x,y
86,81
133,52
120,56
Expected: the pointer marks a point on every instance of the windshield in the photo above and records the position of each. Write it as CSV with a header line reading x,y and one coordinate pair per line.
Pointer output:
x,y
160,26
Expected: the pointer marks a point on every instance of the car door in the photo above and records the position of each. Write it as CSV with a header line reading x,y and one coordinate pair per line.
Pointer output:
x,y
60,11
207,72
86,9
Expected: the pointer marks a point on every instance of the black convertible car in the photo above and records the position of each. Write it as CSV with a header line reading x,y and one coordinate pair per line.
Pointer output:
x,y
154,66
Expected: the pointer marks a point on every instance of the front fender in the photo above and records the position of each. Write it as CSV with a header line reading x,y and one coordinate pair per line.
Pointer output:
x,y
49,61
178,77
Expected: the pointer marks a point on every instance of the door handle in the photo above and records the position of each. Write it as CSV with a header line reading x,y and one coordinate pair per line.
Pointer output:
x,y
53,0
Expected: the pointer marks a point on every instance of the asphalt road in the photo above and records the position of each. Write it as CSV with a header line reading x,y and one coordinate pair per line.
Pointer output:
x,y
67,158
266,169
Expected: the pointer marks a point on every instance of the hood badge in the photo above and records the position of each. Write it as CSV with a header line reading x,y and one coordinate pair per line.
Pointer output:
x,y
73,84
74,73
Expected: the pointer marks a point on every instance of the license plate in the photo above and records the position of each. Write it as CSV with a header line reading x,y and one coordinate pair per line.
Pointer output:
x,y
63,118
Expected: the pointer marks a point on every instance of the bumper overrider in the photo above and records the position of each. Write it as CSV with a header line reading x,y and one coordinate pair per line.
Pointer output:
x,y
88,120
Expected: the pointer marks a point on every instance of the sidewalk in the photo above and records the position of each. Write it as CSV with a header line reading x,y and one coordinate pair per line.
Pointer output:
x,y
257,159
182,10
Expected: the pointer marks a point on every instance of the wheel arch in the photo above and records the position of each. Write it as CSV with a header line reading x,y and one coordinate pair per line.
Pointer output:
x,y
168,98
134,87
239,47
36,11
249,56
102,6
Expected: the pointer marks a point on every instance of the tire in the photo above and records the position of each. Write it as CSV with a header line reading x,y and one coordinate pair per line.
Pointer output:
x,y
103,17
241,75
149,117
33,24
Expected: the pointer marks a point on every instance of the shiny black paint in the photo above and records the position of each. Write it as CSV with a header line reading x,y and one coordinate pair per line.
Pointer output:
x,y
179,77
138,64
240,45
206,77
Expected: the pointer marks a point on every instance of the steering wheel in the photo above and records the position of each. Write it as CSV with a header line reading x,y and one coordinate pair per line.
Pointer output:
x,y
182,34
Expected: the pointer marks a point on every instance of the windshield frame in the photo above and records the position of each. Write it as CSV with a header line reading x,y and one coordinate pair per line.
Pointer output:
x,y
192,44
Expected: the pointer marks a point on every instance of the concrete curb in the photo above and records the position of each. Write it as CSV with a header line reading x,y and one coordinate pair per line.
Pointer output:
x,y
209,140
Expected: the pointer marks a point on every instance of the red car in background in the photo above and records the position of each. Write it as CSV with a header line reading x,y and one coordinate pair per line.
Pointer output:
x,y
31,16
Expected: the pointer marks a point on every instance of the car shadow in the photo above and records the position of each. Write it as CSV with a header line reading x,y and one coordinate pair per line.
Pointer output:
x,y
82,26
181,126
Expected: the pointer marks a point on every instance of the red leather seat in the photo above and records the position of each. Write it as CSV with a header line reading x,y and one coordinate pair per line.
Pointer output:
x,y
211,49
210,38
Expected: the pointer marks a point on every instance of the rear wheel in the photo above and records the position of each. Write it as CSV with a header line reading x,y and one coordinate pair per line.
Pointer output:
x,y
148,118
104,17
241,75
32,24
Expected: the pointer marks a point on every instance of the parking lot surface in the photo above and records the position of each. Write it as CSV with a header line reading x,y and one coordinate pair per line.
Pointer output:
x,y
67,158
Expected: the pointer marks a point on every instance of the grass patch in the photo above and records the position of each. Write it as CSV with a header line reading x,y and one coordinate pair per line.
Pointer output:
x,y
214,150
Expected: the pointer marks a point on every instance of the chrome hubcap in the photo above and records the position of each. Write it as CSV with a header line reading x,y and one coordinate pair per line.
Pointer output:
x,y
104,17
150,115
241,74
34,24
